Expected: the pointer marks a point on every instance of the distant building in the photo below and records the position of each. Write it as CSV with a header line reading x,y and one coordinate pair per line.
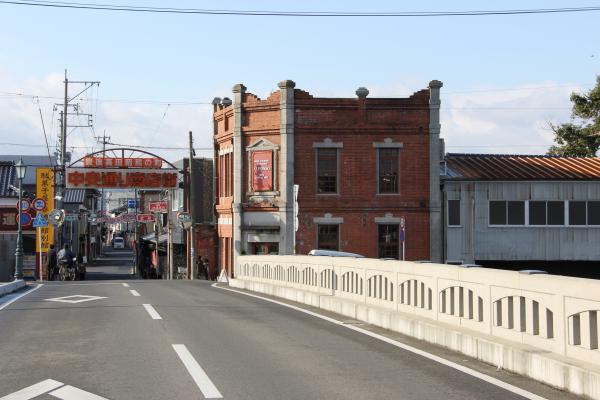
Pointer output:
x,y
521,210
363,166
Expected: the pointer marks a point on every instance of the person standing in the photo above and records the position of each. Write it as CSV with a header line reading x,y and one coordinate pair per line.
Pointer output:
x,y
51,263
206,268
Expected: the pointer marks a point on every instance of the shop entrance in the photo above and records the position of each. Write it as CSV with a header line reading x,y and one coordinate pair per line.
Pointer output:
x,y
265,248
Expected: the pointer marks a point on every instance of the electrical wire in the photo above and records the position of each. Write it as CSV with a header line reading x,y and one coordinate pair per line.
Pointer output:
x,y
276,13
45,135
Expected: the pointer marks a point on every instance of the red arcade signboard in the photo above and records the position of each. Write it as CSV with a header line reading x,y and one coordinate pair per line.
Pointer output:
x,y
262,171
98,178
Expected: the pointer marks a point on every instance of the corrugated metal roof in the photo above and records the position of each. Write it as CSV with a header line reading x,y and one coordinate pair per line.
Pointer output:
x,y
505,167
7,177
74,196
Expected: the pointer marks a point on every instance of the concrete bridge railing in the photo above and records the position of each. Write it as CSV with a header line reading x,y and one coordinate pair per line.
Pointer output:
x,y
552,313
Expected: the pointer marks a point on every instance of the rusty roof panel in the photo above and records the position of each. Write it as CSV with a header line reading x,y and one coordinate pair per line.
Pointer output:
x,y
503,167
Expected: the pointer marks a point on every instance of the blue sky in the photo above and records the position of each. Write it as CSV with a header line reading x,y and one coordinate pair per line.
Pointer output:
x,y
197,57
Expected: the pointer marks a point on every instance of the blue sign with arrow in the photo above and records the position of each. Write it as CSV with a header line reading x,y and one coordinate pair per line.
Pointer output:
x,y
40,221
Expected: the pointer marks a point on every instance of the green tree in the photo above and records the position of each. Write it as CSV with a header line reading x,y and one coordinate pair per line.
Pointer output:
x,y
581,136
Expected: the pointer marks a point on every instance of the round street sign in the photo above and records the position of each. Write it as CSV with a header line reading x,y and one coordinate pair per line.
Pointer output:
x,y
25,219
25,205
39,204
56,217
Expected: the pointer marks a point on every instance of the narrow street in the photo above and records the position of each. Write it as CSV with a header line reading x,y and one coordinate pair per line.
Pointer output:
x,y
113,337
113,264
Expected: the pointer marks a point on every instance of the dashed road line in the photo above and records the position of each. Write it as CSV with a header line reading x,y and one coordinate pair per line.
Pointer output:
x,y
469,371
8,303
206,386
153,313
135,293
125,284
72,393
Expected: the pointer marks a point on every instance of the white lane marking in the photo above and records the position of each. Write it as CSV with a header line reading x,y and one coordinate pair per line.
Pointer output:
x,y
92,284
34,390
125,284
208,389
72,393
135,293
494,381
8,303
80,299
153,313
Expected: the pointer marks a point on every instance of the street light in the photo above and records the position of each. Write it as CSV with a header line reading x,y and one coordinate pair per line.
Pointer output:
x,y
21,169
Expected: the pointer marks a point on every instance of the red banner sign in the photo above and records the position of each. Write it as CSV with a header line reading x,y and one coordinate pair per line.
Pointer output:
x,y
145,217
158,206
262,171
87,178
122,162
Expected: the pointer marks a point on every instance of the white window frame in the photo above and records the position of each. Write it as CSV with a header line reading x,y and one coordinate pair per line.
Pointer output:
x,y
459,214
387,143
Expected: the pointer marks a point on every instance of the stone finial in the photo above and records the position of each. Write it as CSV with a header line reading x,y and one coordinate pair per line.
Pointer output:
x,y
287,84
239,88
226,101
216,101
435,84
362,92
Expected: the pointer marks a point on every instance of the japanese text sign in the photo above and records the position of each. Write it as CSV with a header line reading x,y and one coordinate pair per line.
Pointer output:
x,y
122,162
45,192
98,178
158,206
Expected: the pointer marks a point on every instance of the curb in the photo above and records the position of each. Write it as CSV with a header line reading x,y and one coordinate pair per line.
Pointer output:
x,y
10,287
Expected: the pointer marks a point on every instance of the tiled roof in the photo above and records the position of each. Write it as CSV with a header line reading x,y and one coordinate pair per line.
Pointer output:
x,y
7,177
502,167
32,162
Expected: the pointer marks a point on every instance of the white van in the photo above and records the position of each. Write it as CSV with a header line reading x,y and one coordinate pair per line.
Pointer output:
x,y
118,243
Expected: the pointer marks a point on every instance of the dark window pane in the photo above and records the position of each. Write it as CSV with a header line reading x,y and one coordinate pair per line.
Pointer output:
x,y
388,170
556,213
327,170
577,213
389,244
453,212
328,237
497,213
516,213
593,212
537,213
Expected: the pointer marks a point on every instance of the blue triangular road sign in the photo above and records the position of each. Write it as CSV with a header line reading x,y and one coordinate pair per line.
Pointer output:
x,y
40,221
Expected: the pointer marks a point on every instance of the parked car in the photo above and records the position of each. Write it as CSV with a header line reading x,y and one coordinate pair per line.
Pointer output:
x,y
333,253
118,243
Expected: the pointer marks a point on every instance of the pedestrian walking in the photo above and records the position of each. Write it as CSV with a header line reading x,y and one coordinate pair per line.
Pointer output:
x,y
51,261
206,267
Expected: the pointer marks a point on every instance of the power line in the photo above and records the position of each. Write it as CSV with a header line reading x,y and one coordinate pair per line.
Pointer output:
x,y
275,13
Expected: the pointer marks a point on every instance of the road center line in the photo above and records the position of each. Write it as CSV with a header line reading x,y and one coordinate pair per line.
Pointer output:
x,y
135,293
208,389
125,284
153,313
72,393
469,371
34,390
8,303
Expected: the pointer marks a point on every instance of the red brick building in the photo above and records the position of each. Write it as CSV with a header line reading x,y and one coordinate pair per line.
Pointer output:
x,y
363,167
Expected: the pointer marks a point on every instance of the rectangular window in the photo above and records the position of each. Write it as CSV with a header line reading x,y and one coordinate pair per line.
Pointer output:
x,y
388,241
556,213
537,213
328,237
593,209
577,213
453,212
497,213
516,212
389,161
327,166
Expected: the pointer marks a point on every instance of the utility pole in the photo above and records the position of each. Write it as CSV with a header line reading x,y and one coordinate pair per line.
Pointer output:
x,y
192,211
104,139
60,177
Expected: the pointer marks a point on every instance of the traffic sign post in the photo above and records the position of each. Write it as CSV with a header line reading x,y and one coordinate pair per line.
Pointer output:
x,y
25,205
39,204
403,237
40,222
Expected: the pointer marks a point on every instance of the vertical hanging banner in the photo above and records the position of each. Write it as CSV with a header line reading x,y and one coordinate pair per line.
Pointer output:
x,y
262,171
45,191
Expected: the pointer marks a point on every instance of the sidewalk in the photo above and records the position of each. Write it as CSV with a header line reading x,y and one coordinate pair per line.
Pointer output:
x,y
6,288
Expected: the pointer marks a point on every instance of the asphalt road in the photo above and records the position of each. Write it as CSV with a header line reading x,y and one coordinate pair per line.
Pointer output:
x,y
209,343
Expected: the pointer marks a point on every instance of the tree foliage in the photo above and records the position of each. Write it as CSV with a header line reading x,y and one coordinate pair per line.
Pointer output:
x,y
581,136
